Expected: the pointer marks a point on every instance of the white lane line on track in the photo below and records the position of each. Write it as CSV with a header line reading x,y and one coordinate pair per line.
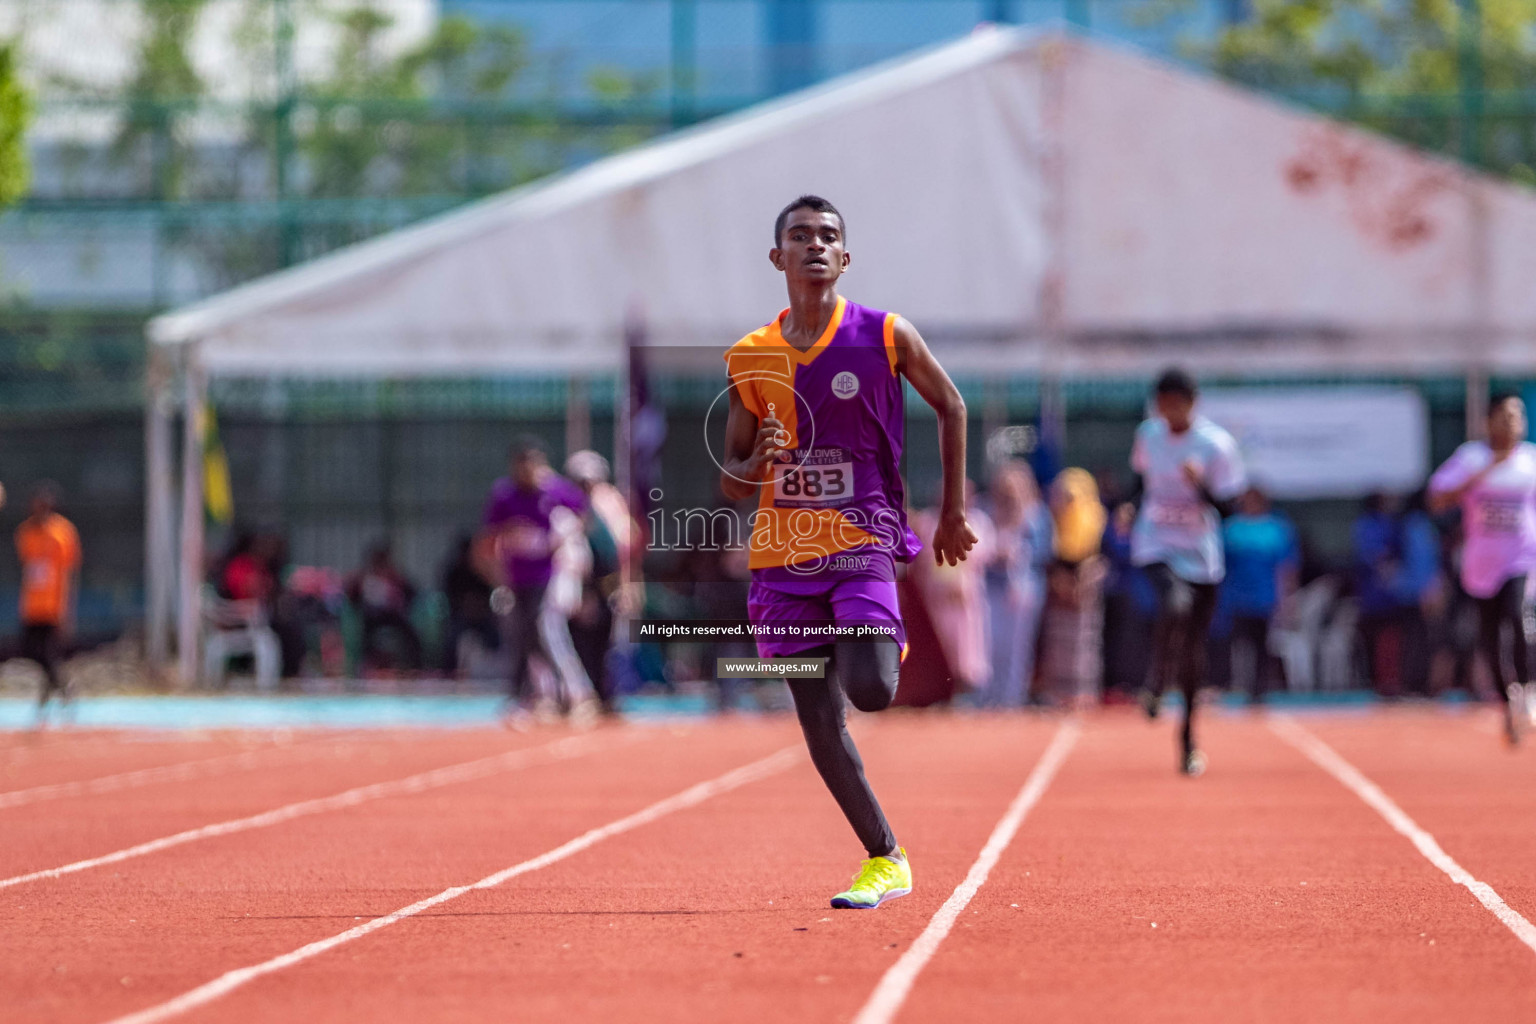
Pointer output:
x,y
894,986
690,797
1326,758
179,772
573,746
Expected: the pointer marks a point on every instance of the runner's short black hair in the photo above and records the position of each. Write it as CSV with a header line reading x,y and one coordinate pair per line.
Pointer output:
x,y
1499,398
527,446
1176,381
806,202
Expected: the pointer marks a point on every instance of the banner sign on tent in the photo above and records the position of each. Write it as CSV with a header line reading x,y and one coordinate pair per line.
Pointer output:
x,y
1327,442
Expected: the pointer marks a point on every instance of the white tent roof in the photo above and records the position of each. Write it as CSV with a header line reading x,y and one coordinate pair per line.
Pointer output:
x,y
1030,201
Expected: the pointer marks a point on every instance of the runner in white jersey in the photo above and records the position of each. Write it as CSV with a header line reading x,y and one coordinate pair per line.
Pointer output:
x,y
1494,482
1191,473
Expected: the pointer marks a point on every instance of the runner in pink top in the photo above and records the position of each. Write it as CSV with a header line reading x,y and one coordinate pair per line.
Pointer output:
x,y
1494,482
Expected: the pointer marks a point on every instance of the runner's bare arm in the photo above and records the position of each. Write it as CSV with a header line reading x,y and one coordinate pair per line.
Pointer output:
x,y
953,536
749,449
1444,500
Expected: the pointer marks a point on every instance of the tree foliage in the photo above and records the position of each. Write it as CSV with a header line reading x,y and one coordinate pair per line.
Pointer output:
x,y
1448,74
15,115
163,79
409,124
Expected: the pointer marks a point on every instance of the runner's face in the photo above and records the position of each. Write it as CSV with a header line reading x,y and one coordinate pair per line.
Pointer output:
x,y
527,469
811,247
1506,423
1176,409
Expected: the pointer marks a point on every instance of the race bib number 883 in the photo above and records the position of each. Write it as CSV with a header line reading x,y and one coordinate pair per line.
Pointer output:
x,y
823,479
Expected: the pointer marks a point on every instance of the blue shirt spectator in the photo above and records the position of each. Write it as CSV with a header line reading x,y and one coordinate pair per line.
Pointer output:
x,y
1261,547
1418,576
1377,552
1126,578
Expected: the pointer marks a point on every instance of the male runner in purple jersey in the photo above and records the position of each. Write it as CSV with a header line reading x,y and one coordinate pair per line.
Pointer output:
x,y
816,429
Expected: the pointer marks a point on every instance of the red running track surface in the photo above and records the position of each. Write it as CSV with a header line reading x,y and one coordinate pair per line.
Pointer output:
x,y
1277,893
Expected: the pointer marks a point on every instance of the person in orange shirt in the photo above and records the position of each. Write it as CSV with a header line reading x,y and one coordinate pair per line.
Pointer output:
x,y
49,549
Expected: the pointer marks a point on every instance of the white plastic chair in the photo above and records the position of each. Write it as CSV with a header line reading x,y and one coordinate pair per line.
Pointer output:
x,y
1297,644
1336,652
233,628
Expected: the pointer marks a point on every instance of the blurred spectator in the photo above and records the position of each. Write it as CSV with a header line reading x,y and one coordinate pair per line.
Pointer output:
x,y
1262,563
1014,578
1130,606
954,596
468,595
244,575
722,582
611,537
1377,561
49,549
522,518
1071,654
1454,630
309,605
382,595
1420,591
251,571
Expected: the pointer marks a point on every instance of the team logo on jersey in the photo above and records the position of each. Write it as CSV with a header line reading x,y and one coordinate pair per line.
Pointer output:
x,y
845,385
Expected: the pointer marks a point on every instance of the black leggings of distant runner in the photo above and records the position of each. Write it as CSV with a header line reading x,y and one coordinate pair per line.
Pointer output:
x,y
868,674
40,643
1179,634
524,640
1507,606
1253,631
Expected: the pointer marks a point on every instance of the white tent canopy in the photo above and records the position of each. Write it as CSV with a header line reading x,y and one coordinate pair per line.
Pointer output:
x,y
1033,202
1009,193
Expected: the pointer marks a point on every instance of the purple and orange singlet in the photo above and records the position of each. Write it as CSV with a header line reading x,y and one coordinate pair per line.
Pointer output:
x,y
836,486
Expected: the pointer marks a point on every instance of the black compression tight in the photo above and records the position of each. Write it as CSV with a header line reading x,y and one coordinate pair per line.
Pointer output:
x,y
1179,634
1507,606
867,673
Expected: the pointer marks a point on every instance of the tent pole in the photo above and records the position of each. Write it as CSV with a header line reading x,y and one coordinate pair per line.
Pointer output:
x,y
578,416
191,589
1052,294
1476,402
1479,371
159,493
623,455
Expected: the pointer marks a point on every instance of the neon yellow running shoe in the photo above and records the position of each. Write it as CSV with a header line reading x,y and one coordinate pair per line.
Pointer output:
x,y
879,879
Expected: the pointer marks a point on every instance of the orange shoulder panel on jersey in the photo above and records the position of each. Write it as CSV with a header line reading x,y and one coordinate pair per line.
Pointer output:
x,y
764,376
890,340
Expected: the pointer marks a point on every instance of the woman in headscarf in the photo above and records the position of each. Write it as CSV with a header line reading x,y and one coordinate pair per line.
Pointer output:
x,y
955,599
1015,581
1072,641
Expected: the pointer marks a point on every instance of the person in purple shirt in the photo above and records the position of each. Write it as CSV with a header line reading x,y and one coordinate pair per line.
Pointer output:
x,y
523,518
